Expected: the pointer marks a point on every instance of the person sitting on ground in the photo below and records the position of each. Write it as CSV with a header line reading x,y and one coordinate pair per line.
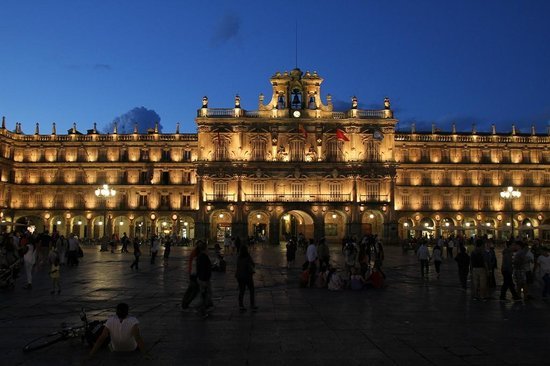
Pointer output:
x,y
357,282
123,330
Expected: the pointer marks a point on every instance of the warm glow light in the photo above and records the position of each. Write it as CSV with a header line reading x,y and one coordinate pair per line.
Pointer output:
x,y
334,216
488,224
528,224
510,193
164,223
447,224
153,216
467,224
58,222
46,216
221,216
79,222
508,224
406,224
426,224
258,216
121,223
185,223
105,192
174,217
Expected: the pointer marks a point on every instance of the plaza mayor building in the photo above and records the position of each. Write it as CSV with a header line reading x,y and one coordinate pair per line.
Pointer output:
x,y
293,165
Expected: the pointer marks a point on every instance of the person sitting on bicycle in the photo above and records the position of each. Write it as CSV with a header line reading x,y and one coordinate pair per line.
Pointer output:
x,y
123,330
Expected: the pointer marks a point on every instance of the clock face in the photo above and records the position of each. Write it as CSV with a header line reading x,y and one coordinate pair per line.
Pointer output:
x,y
378,135
296,114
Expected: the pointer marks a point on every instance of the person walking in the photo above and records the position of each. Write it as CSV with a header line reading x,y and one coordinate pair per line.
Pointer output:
x,y
55,275
193,287
244,274
204,273
437,255
519,264
323,252
450,246
291,248
124,240
463,261
137,254
543,268
155,246
423,255
506,271
29,259
72,256
479,272
167,250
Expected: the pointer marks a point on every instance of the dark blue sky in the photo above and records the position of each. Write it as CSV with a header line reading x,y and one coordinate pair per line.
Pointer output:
x,y
467,61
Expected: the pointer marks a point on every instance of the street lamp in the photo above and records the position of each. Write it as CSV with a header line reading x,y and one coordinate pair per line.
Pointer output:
x,y
104,192
510,194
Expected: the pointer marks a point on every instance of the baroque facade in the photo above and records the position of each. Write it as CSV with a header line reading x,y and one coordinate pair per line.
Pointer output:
x,y
292,166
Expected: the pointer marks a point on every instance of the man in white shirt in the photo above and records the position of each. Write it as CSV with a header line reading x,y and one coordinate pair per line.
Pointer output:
x,y
123,330
423,255
311,256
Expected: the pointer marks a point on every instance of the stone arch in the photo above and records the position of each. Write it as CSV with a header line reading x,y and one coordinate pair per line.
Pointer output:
x,y
372,222
335,222
294,222
258,225
405,227
220,224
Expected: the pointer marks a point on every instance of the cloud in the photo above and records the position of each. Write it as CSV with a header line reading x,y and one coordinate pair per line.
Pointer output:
x,y
143,117
226,30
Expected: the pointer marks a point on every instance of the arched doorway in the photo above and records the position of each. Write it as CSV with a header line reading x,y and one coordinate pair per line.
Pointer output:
x,y
406,230
30,223
220,225
448,227
58,225
294,222
121,225
78,226
258,226
488,228
526,230
186,228
426,228
335,225
544,230
469,227
372,222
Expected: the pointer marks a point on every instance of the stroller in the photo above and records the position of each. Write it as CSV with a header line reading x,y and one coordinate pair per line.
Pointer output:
x,y
8,276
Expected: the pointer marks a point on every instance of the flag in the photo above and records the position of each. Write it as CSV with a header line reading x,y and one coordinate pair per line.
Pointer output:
x,y
302,130
340,135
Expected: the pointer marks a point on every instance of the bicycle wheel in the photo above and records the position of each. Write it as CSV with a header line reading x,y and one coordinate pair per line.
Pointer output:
x,y
45,341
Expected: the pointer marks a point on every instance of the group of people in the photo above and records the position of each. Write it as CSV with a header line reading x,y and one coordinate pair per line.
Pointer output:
x,y
477,259
362,266
30,250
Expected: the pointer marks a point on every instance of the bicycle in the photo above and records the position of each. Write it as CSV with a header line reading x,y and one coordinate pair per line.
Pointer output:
x,y
88,331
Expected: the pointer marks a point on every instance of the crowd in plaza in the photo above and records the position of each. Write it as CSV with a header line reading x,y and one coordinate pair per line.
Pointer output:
x,y
521,265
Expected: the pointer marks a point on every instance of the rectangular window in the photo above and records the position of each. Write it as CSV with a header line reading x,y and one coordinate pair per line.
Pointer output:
x,y
166,155
373,191
487,202
467,201
187,155
258,189
185,201
528,201
406,201
142,200
297,150
164,200
258,150
220,190
426,200
335,191
297,190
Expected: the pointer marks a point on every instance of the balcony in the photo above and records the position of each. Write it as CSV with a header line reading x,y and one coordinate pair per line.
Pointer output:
x,y
374,198
220,197
346,197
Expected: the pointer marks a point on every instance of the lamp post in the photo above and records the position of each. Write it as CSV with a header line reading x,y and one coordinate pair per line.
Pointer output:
x,y
104,192
510,194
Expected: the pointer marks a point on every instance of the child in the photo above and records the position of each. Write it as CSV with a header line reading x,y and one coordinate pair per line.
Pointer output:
x,y
54,275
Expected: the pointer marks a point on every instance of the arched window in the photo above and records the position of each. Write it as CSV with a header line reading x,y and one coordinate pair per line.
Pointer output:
x,y
334,150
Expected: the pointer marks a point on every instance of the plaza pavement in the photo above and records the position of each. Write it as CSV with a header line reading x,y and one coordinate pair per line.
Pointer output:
x,y
411,322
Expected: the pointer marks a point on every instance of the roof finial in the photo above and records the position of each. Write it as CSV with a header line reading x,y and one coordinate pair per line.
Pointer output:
x,y
115,130
413,127
533,132
474,130
135,128
513,129
156,127
3,123
37,129
53,129
454,128
177,127
74,127
95,128
493,129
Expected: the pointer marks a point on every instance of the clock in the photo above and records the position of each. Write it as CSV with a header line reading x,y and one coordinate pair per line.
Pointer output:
x,y
296,114
377,135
